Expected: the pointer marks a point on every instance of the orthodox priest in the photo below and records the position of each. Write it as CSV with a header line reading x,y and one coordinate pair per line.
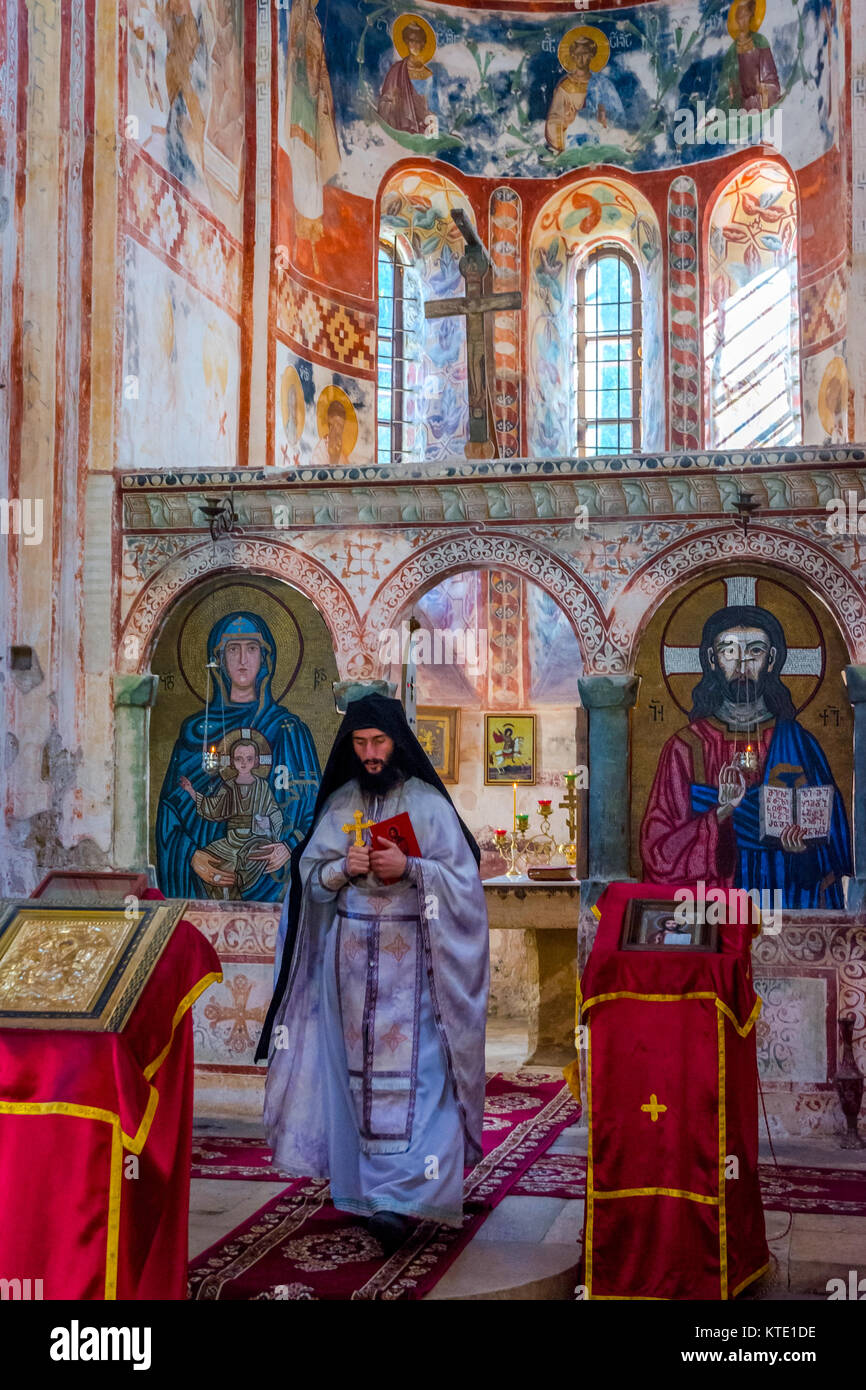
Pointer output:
x,y
376,1028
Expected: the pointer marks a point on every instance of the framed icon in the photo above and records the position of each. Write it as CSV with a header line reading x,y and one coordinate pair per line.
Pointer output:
x,y
660,924
509,749
437,729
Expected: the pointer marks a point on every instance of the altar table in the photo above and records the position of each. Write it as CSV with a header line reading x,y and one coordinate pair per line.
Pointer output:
x,y
548,915
95,1142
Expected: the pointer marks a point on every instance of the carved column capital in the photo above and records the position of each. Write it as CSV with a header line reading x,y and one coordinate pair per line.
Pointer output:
x,y
855,683
136,691
608,692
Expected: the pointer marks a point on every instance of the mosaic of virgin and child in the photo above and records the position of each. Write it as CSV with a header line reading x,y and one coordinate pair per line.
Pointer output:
x,y
227,831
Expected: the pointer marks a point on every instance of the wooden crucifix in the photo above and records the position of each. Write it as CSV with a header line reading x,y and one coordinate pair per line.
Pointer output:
x,y
475,306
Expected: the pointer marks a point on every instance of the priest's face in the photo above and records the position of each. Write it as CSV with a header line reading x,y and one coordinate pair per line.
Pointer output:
x,y
742,658
373,748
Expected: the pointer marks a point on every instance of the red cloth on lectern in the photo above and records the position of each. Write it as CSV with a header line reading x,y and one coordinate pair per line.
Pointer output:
x,y
662,1219
73,1107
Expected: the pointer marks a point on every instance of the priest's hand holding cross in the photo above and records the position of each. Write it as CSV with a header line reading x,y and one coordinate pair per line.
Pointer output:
x,y
358,856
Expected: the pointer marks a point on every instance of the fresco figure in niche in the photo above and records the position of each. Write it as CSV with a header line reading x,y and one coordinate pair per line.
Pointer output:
x,y
293,413
584,102
704,815
749,80
406,101
309,128
147,28
197,808
833,402
185,115
224,133
338,429
215,373
253,820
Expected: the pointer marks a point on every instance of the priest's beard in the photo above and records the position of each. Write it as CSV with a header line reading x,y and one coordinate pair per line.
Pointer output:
x,y
378,783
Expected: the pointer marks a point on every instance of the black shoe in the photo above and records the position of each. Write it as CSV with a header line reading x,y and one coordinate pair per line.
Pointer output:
x,y
390,1229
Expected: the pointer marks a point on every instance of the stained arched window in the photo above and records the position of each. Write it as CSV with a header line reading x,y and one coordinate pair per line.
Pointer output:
x,y
607,354
752,328
397,383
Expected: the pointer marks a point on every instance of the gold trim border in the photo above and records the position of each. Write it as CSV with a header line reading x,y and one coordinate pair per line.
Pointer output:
x,y
572,1076
119,1140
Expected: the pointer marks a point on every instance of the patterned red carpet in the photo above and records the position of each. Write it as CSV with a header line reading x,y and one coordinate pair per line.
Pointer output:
x,y
824,1191
297,1246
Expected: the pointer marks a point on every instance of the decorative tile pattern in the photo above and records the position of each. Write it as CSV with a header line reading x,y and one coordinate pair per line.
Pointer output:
x,y
456,468
506,216
505,674
824,308
228,1018
343,335
160,216
684,314
792,1028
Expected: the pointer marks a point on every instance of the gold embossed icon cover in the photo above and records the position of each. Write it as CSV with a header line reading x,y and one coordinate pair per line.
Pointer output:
x,y
81,967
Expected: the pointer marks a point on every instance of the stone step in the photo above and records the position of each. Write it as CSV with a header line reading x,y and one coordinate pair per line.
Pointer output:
x,y
491,1269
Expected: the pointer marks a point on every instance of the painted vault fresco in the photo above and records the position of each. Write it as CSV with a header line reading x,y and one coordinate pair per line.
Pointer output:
x,y
502,93
186,96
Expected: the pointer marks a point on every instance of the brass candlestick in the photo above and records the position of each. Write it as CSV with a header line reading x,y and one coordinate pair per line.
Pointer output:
x,y
509,844
543,844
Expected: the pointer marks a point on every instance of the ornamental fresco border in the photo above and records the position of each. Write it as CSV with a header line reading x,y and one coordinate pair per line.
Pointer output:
x,y
684,350
194,244
501,550
342,336
654,581
820,457
252,555
269,501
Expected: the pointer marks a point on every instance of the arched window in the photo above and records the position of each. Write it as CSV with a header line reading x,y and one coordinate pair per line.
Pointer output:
x,y
752,328
397,405
607,354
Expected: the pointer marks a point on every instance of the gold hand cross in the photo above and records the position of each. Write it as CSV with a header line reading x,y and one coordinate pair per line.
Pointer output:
x,y
358,826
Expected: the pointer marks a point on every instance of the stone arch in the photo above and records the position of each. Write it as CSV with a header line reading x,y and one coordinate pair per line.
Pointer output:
x,y
765,546
250,555
475,549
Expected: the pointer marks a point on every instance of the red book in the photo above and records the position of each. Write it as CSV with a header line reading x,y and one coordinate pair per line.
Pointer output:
x,y
399,829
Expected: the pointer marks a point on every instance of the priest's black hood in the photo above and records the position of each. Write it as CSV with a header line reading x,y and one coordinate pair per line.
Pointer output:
x,y
370,712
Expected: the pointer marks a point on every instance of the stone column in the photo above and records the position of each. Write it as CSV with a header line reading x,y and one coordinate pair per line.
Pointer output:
x,y
608,700
855,684
133,700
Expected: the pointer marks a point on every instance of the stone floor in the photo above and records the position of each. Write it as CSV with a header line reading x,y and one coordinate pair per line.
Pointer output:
x,y
528,1248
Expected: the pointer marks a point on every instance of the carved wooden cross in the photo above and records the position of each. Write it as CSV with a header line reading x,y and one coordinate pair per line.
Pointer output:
x,y
357,827
475,305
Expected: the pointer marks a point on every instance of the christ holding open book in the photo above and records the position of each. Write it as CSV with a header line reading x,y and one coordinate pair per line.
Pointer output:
x,y
773,821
